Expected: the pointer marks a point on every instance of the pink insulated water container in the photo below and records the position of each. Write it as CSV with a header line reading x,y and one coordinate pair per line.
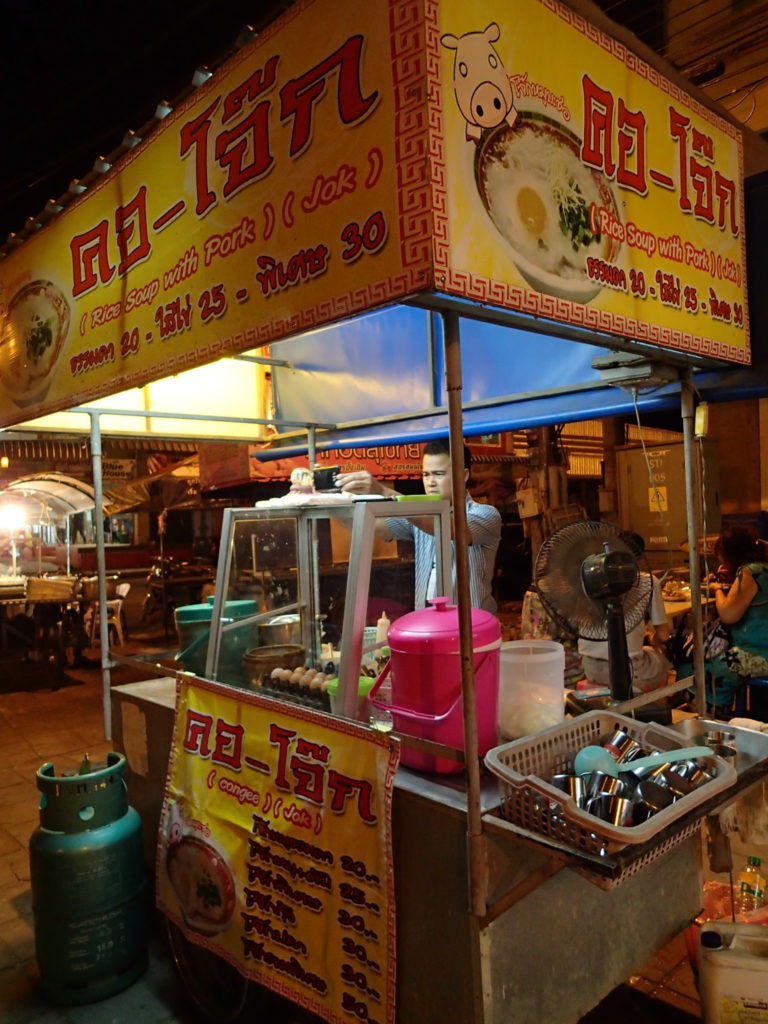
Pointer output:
x,y
424,675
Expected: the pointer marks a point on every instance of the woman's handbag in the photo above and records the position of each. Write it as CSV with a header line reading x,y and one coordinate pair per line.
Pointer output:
x,y
716,636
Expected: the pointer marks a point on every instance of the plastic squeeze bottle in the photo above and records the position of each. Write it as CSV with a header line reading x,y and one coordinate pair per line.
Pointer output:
x,y
751,887
382,629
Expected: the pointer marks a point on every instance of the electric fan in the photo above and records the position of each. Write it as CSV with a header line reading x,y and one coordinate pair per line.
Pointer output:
x,y
589,577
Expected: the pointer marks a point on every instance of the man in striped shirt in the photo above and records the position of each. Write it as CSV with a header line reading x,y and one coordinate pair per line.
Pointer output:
x,y
483,522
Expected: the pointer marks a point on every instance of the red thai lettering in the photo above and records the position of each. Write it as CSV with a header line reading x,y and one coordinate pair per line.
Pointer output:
x,y
604,118
197,733
243,151
725,191
703,144
631,138
228,747
194,136
308,767
678,129
342,787
597,147
299,96
132,228
90,259
714,195
282,739
701,180
261,81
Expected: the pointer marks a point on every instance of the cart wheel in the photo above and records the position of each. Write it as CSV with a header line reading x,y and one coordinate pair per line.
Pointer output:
x,y
220,993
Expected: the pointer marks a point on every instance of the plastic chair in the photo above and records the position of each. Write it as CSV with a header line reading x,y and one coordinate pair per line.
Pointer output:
x,y
115,616
752,699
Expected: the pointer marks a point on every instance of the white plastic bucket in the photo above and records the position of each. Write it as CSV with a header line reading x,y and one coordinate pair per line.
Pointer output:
x,y
733,972
531,687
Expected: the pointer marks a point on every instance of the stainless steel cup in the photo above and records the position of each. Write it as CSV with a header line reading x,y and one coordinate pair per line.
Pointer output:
x,y
618,743
619,810
599,783
677,782
595,805
642,812
700,777
573,785
616,810
654,795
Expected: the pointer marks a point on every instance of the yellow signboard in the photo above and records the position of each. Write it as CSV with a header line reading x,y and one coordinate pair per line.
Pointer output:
x,y
356,153
576,183
275,848
282,194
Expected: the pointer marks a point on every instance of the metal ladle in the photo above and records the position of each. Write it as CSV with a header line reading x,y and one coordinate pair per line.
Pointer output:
x,y
598,759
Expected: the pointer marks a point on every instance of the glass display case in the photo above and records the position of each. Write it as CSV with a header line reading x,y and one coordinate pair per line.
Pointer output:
x,y
301,587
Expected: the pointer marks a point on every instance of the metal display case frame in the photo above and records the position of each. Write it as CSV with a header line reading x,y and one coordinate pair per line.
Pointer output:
x,y
361,518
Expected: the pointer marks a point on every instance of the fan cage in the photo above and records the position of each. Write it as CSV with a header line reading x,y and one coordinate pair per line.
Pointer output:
x,y
557,579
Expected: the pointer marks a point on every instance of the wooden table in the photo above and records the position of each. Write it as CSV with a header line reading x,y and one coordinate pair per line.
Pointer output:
x,y
677,610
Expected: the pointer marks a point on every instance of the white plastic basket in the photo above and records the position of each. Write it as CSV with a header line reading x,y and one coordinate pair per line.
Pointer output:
x,y
524,768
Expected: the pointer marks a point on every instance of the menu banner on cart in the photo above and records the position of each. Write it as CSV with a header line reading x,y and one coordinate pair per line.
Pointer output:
x,y
285,192
275,849
579,184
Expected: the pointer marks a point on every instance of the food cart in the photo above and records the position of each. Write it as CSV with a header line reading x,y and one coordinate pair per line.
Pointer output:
x,y
334,165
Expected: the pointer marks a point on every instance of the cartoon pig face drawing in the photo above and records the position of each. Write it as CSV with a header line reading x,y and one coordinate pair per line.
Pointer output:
x,y
480,81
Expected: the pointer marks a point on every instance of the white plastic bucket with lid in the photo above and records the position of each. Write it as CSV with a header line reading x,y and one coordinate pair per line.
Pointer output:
x,y
531,687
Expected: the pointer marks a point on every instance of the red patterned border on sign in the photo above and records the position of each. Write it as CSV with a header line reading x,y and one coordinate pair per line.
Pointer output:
x,y
637,65
411,136
440,241
495,293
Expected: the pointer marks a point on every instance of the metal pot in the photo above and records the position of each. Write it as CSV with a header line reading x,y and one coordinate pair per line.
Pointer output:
x,y
89,588
283,629
286,629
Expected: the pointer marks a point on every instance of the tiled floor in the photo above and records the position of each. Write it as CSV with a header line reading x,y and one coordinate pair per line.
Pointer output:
x,y
38,724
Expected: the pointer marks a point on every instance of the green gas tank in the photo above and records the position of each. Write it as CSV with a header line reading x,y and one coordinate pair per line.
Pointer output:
x,y
88,884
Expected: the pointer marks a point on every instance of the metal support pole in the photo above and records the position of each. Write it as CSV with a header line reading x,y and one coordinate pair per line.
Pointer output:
x,y
693,522
462,539
311,447
68,542
101,568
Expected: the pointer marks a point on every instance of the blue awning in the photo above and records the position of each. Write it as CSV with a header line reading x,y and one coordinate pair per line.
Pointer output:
x,y
381,378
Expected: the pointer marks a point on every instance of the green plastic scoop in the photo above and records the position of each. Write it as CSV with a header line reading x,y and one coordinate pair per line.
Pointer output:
x,y
598,759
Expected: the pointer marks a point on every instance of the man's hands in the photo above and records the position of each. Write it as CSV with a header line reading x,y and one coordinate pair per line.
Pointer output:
x,y
361,482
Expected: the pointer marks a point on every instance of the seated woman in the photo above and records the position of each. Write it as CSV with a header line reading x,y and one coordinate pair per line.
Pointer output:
x,y
743,606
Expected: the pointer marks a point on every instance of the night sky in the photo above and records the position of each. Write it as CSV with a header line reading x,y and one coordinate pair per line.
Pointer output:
x,y
75,77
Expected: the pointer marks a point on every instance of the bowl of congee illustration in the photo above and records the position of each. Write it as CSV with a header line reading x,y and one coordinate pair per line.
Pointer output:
x,y
33,329
545,203
203,885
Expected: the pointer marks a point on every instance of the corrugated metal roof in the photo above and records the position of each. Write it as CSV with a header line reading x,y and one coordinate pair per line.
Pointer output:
x,y
48,496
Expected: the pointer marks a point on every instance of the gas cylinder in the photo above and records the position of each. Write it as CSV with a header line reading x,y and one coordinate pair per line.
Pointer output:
x,y
88,884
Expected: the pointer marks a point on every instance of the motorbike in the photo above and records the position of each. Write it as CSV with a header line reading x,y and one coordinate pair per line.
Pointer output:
x,y
170,585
